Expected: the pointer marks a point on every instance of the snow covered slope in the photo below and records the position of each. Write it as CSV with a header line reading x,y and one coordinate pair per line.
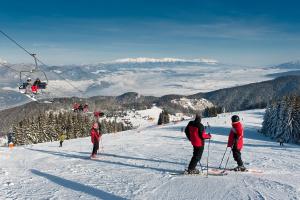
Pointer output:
x,y
138,164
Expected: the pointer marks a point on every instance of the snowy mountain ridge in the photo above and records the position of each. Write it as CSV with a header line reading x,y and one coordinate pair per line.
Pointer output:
x,y
162,60
194,104
290,65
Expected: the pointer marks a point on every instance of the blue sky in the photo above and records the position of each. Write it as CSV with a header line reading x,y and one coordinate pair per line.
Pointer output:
x,y
68,31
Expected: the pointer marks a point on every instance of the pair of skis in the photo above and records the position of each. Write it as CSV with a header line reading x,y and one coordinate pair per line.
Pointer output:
x,y
220,172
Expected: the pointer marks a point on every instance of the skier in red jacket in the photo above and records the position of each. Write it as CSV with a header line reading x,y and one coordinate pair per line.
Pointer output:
x,y
235,141
95,138
195,132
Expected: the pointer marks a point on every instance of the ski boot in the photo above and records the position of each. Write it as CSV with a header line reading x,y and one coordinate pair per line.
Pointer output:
x,y
193,171
240,168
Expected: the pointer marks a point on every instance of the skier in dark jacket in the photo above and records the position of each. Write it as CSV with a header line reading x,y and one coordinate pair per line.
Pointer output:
x,y
235,142
195,132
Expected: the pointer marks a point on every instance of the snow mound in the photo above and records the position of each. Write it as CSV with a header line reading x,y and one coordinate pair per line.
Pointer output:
x,y
195,104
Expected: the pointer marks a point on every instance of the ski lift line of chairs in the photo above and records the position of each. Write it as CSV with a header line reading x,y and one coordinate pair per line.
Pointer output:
x,y
98,114
80,107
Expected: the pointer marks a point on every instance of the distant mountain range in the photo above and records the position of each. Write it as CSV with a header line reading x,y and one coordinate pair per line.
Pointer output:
x,y
146,76
250,96
165,60
290,65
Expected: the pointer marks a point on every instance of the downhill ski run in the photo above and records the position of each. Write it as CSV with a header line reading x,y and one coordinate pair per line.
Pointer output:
x,y
140,164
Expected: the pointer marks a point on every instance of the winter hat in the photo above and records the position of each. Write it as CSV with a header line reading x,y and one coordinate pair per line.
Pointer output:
x,y
235,118
198,118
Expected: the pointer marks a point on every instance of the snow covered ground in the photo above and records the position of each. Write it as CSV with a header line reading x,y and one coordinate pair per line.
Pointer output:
x,y
138,164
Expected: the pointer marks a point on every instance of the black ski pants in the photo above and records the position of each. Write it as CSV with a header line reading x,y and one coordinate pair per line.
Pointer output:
x,y
95,147
237,155
197,154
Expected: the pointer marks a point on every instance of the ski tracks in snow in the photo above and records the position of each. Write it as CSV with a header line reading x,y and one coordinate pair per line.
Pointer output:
x,y
264,189
138,164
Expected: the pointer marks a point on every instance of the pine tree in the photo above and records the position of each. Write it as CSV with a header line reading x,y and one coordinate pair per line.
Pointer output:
x,y
282,119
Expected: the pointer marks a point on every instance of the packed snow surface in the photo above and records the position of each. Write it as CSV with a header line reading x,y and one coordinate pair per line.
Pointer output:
x,y
139,164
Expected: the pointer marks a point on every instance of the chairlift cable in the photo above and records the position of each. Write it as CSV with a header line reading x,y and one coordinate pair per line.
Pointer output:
x,y
15,42
38,60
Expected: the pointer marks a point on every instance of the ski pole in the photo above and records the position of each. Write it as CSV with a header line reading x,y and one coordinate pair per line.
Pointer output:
x,y
102,147
227,160
207,158
201,167
223,157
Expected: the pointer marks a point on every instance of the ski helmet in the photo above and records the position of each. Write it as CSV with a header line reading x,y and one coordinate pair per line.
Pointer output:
x,y
235,118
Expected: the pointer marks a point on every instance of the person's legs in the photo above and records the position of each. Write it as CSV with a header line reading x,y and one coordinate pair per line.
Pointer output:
x,y
197,154
238,158
95,148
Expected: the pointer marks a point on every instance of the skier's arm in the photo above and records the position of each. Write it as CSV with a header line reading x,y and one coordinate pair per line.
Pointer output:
x,y
205,135
187,132
92,136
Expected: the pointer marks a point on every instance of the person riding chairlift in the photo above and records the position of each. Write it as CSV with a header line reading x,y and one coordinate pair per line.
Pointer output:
x,y
75,107
27,86
86,108
35,86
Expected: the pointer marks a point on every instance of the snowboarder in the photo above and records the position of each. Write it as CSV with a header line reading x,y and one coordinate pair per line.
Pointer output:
x,y
61,138
95,138
235,142
195,132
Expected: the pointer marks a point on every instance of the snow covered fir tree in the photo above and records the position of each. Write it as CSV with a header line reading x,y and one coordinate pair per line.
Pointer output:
x,y
47,127
163,118
282,119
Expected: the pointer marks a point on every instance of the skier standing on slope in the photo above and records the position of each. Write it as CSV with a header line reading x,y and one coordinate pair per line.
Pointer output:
x,y
61,138
195,132
95,138
235,141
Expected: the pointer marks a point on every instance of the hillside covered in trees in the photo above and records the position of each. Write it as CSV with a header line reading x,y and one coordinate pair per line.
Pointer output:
x,y
46,127
282,120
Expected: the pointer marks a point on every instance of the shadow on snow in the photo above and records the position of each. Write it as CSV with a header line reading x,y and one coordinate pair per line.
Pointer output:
x,y
67,155
77,186
135,158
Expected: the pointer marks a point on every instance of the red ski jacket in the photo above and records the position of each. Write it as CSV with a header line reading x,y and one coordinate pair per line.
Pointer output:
x,y
196,134
34,88
95,135
236,136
